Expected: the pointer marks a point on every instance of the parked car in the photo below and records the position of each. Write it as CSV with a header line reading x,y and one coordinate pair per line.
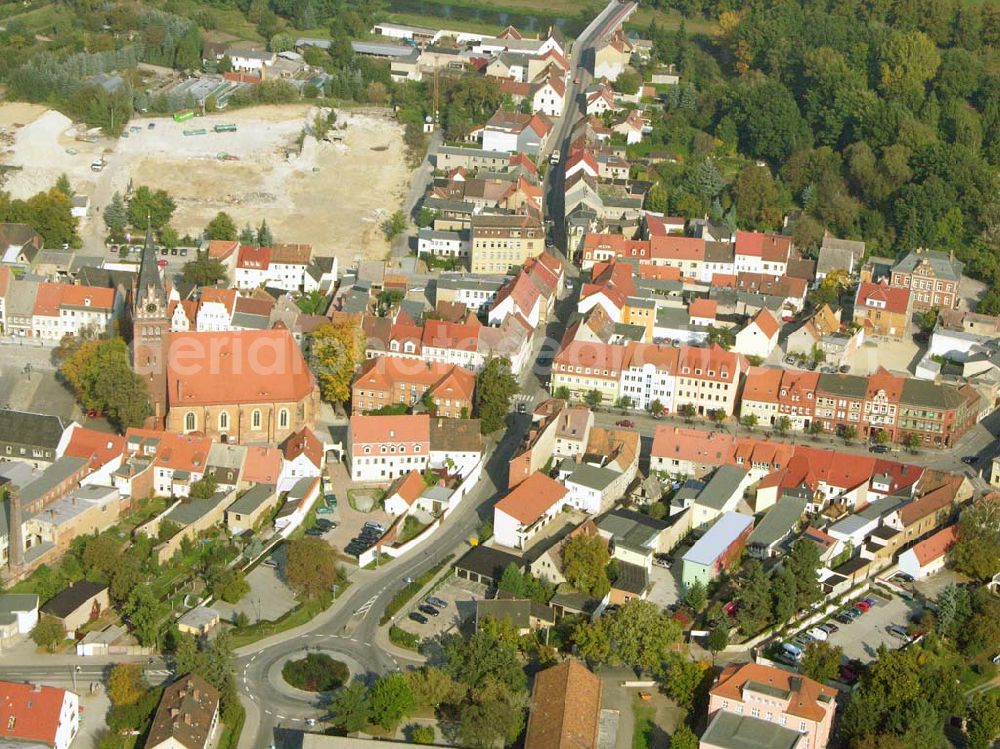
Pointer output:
x,y
731,608
905,577
898,632
818,633
522,407
269,562
844,368
844,618
661,563
374,526
870,601
970,460
878,449
829,627
625,423
419,618
862,606
429,610
435,601
151,126
793,651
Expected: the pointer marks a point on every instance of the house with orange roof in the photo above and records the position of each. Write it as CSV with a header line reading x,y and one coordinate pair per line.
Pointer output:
x,y
263,466
62,309
515,132
565,708
581,160
215,309
703,312
175,460
929,556
520,295
36,715
883,310
226,251
600,98
759,337
548,95
631,125
387,380
304,456
770,393
769,695
383,448
689,452
102,451
709,379
673,251
757,252
183,315
538,444
252,267
610,287
527,509
582,366
404,493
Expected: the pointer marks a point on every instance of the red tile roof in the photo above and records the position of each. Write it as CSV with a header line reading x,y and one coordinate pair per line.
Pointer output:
x,y
936,546
704,308
804,693
531,498
676,247
51,297
254,257
98,448
770,247
247,366
714,363
599,357
220,249
262,465
304,442
694,445
226,297
766,322
30,713
179,452
408,487
896,300
376,430
565,708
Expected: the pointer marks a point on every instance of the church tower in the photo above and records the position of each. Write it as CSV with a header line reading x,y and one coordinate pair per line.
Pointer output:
x,y
151,331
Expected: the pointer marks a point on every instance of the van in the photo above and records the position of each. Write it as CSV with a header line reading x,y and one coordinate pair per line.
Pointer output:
x,y
792,650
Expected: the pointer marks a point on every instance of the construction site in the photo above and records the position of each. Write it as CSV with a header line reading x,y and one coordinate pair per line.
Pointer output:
x,y
260,163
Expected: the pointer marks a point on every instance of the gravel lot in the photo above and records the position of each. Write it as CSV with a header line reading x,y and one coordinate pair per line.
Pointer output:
x,y
861,638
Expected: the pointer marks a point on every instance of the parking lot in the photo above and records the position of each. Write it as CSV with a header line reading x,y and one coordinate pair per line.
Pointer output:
x,y
460,597
268,599
861,638
665,585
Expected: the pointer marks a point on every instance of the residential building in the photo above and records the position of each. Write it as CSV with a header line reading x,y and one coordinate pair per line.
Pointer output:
x,y
684,451
19,244
736,731
37,715
303,455
718,549
78,604
388,380
708,379
650,375
538,445
583,366
513,132
721,494
64,309
883,310
928,556
18,614
161,463
778,524
937,414
776,696
383,448
501,244
565,708
634,538
474,291
771,393
526,509
931,277
768,254
251,508
612,56
187,717
252,386
29,437
759,337
443,243
839,255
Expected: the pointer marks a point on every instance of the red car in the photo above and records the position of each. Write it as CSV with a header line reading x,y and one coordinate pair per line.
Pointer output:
x,y
862,606
625,423
731,608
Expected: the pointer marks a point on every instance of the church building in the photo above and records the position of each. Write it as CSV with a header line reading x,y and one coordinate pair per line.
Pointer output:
x,y
249,386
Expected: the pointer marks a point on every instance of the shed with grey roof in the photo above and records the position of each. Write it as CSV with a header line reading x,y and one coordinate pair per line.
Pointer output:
x,y
718,548
247,511
776,526
731,731
31,437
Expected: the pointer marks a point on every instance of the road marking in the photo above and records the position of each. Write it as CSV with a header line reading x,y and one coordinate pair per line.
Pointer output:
x,y
267,712
280,717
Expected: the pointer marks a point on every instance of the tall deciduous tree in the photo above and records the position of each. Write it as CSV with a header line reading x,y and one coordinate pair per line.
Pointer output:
x,y
221,227
822,661
585,564
204,271
391,700
153,206
350,709
127,684
312,566
977,552
335,351
495,386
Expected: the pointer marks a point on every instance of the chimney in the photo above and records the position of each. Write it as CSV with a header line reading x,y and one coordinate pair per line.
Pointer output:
x,y
16,533
187,719
174,712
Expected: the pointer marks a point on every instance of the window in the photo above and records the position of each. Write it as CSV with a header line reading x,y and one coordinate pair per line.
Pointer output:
x,y
283,418
755,712
255,419
223,421
802,726
190,422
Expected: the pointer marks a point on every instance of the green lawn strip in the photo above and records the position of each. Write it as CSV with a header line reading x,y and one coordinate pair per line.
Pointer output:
x,y
301,614
643,724
404,639
411,589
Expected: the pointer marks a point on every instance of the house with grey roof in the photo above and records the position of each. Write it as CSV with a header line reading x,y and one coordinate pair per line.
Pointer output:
x,y
591,488
525,615
633,538
932,277
251,508
18,614
732,731
721,494
838,254
779,522
32,438
717,550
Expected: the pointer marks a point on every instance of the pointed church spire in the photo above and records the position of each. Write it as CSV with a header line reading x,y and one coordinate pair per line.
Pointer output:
x,y
150,286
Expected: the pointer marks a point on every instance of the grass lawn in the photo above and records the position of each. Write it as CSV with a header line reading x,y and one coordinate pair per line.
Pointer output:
x,y
642,731
301,614
415,19
669,19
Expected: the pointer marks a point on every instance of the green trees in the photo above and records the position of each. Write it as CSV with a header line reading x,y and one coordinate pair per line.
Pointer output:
x,y
100,372
221,227
768,120
126,684
334,351
524,585
585,564
391,700
639,635
154,207
350,708
395,225
984,719
49,213
204,271
977,552
48,633
312,566
821,661
116,217
593,398
495,386
757,199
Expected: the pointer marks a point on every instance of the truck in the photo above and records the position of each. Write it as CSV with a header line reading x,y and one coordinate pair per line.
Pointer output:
x,y
228,128
184,115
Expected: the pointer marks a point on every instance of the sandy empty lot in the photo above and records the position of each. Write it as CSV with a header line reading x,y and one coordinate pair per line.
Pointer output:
x,y
331,195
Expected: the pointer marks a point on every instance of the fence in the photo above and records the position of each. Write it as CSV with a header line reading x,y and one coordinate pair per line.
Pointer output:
x,y
461,491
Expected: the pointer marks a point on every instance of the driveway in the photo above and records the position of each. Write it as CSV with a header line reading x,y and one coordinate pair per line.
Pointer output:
x,y
861,638
665,583
350,521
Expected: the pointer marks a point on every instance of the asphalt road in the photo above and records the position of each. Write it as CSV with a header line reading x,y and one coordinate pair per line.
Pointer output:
x,y
347,630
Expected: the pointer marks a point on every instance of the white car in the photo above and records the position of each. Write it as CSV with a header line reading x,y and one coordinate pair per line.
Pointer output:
x,y
818,634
